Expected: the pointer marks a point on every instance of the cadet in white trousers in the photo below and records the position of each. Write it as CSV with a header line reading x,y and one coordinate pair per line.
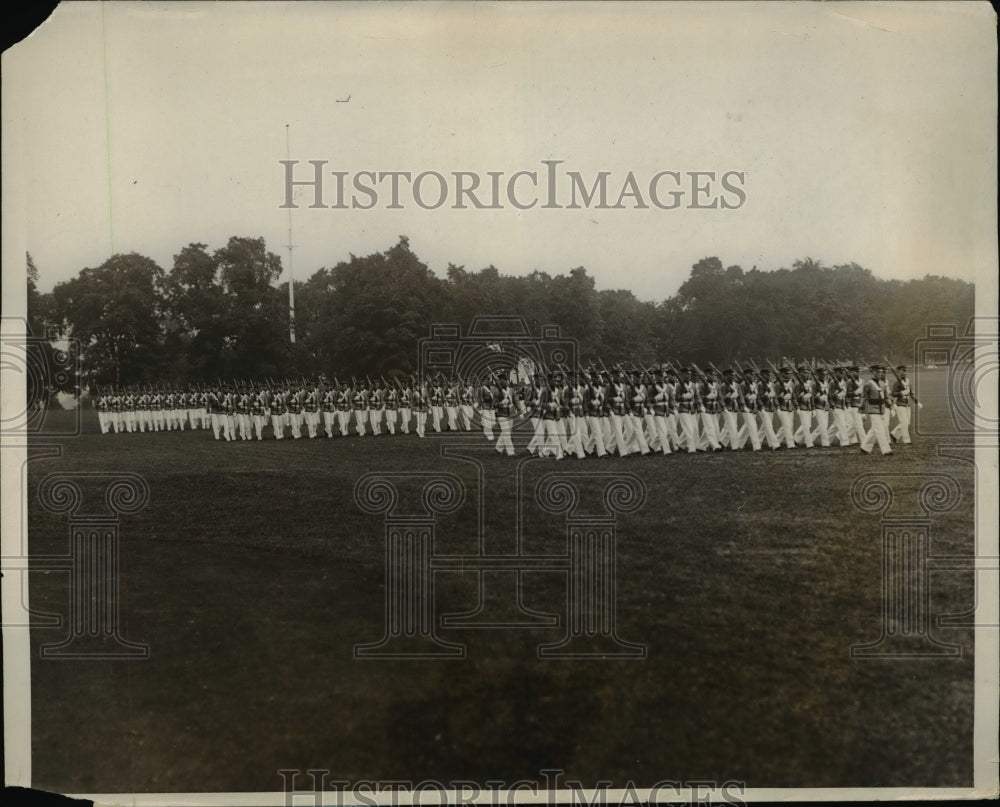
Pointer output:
x,y
878,404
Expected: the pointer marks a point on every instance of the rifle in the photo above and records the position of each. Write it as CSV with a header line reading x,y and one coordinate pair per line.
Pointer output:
x,y
892,367
794,369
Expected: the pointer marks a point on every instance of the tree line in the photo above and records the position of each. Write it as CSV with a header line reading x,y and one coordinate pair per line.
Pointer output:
x,y
222,314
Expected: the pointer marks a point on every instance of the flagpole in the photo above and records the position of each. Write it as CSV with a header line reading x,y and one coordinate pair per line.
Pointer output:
x,y
290,246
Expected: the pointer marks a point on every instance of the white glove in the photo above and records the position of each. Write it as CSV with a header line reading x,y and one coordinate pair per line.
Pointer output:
x,y
919,405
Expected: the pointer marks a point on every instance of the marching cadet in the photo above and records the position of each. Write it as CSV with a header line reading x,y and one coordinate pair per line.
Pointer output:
x,y
214,407
786,406
901,397
420,404
164,410
405,406
822,405
203,408
750,408
603,383
142,407
329,407
838,396
855,418
223,427
103,405
293,404
242,413
521,394
202,404
878,406
648,422
688,405
732,403
533,406
180,408
616,404
437,404
805,389
151,405
258,406
310,409
560,386
670,380
180,399
359,403
466,397
661,406
391,408
128,411
114,411
593,398
506,406
564,426
375,408
193,414
711,406
163,406
548,401
343,409
487,407
768,406
156,411
636,440
575,399
170,409
278,413
117,421
229,409
451,405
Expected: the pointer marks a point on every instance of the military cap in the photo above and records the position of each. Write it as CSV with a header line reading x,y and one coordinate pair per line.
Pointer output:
x,y
728,371
902,367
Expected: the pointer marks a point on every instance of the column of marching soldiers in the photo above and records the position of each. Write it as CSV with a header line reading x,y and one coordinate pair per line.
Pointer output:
x,y
664,409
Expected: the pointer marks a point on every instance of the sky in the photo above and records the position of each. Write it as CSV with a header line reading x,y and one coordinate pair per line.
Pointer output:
x,y
861,133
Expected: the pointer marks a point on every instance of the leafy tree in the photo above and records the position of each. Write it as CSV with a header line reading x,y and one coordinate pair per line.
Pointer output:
x,y
113,312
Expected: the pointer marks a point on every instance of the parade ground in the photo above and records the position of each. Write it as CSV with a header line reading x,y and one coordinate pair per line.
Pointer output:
x,y
742,580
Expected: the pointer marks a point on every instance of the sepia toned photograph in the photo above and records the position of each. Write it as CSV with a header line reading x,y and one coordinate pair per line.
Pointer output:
x,y
493,403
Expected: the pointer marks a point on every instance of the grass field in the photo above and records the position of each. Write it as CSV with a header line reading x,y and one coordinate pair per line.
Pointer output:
x,y
252,573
